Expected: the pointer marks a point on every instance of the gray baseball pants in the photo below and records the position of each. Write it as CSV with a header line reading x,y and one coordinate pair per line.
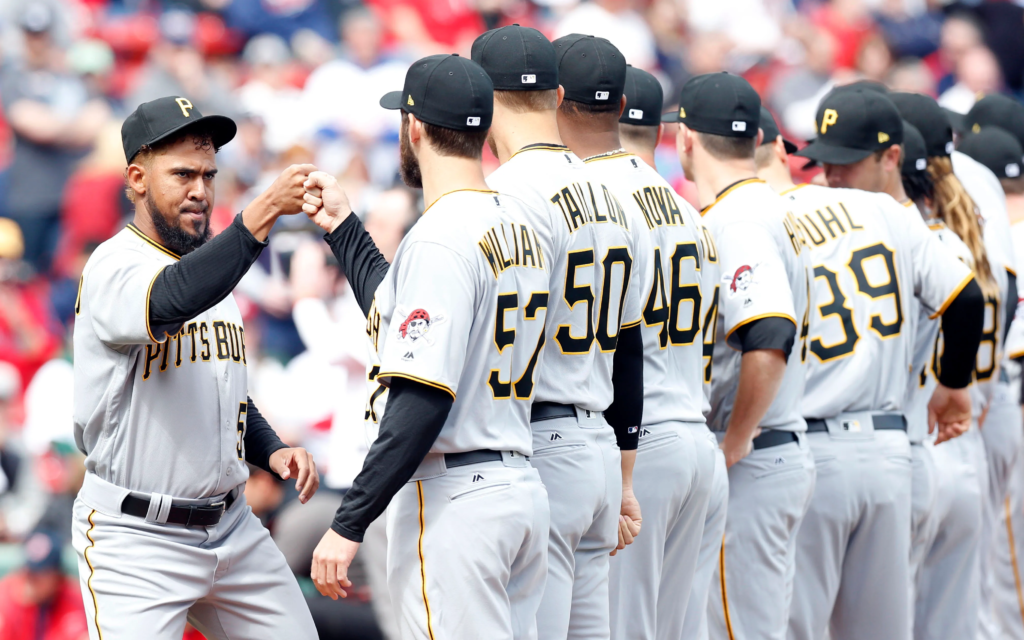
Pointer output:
x,y
579,462
467,550
651,578
853,548
769,492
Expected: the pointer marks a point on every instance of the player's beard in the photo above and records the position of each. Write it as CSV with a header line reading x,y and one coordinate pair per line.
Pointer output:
x,y
409,168
176,238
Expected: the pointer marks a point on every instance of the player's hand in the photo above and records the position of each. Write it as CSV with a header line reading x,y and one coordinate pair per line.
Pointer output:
x,y
735,449
325,202
629,519
285,196
297,463
331,560
950,410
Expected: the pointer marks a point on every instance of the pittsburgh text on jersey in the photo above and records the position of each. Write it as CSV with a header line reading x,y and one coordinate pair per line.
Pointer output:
x,y
193,343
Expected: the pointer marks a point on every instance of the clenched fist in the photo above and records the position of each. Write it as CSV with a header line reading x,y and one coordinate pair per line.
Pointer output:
x,y
325,202
283,198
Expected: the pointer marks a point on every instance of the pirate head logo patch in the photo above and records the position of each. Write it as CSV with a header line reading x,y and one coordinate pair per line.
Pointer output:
x,y
742,282
415,330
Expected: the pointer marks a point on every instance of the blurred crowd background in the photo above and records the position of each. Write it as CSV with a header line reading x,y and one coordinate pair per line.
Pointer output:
x,y
302,78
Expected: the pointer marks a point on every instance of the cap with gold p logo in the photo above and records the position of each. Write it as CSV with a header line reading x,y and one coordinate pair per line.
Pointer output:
x,y
185,105
870,122
160,119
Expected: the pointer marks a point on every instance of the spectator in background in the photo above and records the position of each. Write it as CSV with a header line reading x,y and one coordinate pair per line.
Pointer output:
x,y
341,98
28,331
618,22
10,408
977,71
54,122
176,68
961,32
270,95
39,602
264,494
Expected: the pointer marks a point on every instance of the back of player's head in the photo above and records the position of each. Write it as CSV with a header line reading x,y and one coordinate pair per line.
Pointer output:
x,y
999,150
999,111
725,112
453,98
852,123
914,165
930,120
522,66
641,119
593,73
765,153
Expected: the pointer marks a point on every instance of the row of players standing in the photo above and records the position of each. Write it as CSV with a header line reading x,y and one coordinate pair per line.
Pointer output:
x,y
811,318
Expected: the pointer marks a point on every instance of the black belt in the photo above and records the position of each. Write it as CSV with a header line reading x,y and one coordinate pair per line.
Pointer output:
x,y
190,516
471,457
881,422
550,411
773,438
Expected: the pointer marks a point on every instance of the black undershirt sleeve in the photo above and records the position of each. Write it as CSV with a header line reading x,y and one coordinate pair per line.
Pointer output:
x,y
1011,303
627,409
360,261
962,324
414,417
202,278
260,439
772,332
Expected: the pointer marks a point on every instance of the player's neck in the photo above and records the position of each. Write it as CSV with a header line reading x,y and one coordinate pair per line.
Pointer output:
x,y
645,154
777,177
894,187
714,176
517,130
444,174
1015,207
586,142
143,221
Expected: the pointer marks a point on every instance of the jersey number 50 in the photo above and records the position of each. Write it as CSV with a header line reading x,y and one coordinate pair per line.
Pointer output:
x,y
575,294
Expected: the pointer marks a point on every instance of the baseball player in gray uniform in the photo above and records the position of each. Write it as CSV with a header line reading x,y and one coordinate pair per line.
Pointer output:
x,y
161,409
759,355
1000,151
595,312
651,579
873,258
640,136
457,327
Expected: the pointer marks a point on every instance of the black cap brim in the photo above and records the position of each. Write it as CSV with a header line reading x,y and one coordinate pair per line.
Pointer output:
x,y
830,154
791,147
957,120
671,116
392,100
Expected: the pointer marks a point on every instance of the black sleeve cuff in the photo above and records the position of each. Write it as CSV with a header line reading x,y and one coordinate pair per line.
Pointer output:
x,y
626,413
773,332
359,259
1012,297
962,325
261,441
347,533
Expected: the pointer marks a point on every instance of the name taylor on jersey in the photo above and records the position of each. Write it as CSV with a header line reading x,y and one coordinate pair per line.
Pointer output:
x,y
580,206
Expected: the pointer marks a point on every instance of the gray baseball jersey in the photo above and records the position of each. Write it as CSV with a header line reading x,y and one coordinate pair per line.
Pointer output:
x,y
765,271
594,288
131,379
872,258
477,333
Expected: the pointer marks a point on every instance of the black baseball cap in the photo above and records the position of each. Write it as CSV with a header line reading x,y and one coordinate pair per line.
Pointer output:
x,y
915,150
721,104
517,59
997,149
851,125
159,119
997,110
931,121
590,69
771,130
956,120
448,91
644,99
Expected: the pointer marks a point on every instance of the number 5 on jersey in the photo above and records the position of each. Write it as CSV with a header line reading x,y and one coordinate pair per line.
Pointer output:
x,y
240,430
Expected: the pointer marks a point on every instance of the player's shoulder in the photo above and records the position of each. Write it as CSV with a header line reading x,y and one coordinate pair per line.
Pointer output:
x,y
545,164
459,219
747,202
129,246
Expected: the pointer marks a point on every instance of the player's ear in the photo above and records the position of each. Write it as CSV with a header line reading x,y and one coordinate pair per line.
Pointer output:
x,y
661,134
415,130
135,174
780,150
622,105
760,137
891,158
561,95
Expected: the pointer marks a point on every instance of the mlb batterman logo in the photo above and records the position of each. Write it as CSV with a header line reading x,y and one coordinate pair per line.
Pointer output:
x,y
742,279
415,330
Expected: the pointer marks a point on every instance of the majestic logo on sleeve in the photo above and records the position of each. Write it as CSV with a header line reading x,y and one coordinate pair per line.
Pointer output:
x,y
415,330
741,282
